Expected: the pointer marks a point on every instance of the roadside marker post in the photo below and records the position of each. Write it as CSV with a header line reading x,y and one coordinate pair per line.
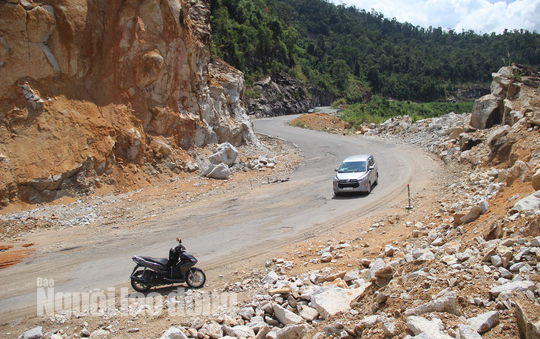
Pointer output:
x,y
409,194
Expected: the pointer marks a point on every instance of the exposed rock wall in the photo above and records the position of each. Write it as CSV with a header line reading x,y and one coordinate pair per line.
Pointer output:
x,y
509,100
94,86
276,95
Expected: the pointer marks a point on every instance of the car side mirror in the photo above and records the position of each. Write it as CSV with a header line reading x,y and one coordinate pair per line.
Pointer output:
x,y
336,169
371,168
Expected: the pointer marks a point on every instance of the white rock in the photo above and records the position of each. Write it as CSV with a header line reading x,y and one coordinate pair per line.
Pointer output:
x,y
293,331
483,110
426,256
225,153
101,333
473,214
331,300
270,278
496,260
309,313
438,242
239,331
484,206
286,317
447,303
351,276
85,332
262,333
430,329
505,273
35,333
389,328
257,323
528,204
246,313
213,330
485,321
220,171
467,332
370,321
449,260
517,286
173,333
377,265
390,250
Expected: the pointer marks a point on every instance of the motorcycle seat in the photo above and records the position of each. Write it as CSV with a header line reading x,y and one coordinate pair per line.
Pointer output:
x,y
161,261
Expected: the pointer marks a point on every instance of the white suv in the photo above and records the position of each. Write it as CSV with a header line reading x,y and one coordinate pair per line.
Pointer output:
x,y
356,174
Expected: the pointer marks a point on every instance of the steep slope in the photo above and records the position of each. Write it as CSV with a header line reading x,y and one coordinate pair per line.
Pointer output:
x,y
110,89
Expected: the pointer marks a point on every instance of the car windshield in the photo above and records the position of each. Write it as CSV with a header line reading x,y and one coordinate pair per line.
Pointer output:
x,y
351,167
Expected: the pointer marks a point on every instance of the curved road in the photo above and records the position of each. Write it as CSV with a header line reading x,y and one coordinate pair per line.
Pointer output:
x,y
233,228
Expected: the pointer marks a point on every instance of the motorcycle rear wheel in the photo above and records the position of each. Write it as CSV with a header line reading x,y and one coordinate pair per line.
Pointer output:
x,y
195,278
137,285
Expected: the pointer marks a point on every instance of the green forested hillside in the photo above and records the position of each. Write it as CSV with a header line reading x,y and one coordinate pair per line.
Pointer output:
x,y
347,51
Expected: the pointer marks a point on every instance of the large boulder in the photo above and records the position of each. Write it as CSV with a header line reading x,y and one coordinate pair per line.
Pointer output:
x,y
220,171
35,333
224,153
427,328
530,204
487,112
173,333
331,300
515,286
286,317
527,318
485,321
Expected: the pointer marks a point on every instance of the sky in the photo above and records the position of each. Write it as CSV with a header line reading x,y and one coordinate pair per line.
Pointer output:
x,y
481,16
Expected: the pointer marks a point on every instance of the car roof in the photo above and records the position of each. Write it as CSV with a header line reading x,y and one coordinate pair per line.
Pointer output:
x,y
359,157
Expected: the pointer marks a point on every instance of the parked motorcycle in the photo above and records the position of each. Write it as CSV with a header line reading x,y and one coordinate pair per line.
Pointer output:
x,y
178,269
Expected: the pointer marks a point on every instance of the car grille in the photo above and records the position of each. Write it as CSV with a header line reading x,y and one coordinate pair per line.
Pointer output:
x,y
348,183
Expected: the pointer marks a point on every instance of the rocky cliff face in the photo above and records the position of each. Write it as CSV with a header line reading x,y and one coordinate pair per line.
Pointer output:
x,y
108,88
280,94
512,98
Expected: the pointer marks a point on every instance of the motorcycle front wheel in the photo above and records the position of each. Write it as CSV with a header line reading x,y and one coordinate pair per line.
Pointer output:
x,y
137,285
195,278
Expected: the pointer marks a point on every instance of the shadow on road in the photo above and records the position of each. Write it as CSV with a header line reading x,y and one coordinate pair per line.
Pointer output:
x,y
164,291
349,196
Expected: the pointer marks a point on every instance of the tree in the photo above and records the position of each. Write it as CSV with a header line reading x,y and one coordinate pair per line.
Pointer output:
x,y
340,73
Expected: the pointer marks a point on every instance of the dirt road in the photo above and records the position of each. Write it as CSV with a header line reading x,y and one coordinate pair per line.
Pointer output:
x,y
224,231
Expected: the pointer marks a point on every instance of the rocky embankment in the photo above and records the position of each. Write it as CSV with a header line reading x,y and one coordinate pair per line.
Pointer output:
x,y
109,94
467,268
280,94
276,95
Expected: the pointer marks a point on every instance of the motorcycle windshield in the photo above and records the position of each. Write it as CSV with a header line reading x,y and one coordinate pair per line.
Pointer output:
x,y
188,257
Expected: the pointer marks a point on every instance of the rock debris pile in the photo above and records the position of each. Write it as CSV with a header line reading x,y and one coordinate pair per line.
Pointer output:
x,y
223,162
